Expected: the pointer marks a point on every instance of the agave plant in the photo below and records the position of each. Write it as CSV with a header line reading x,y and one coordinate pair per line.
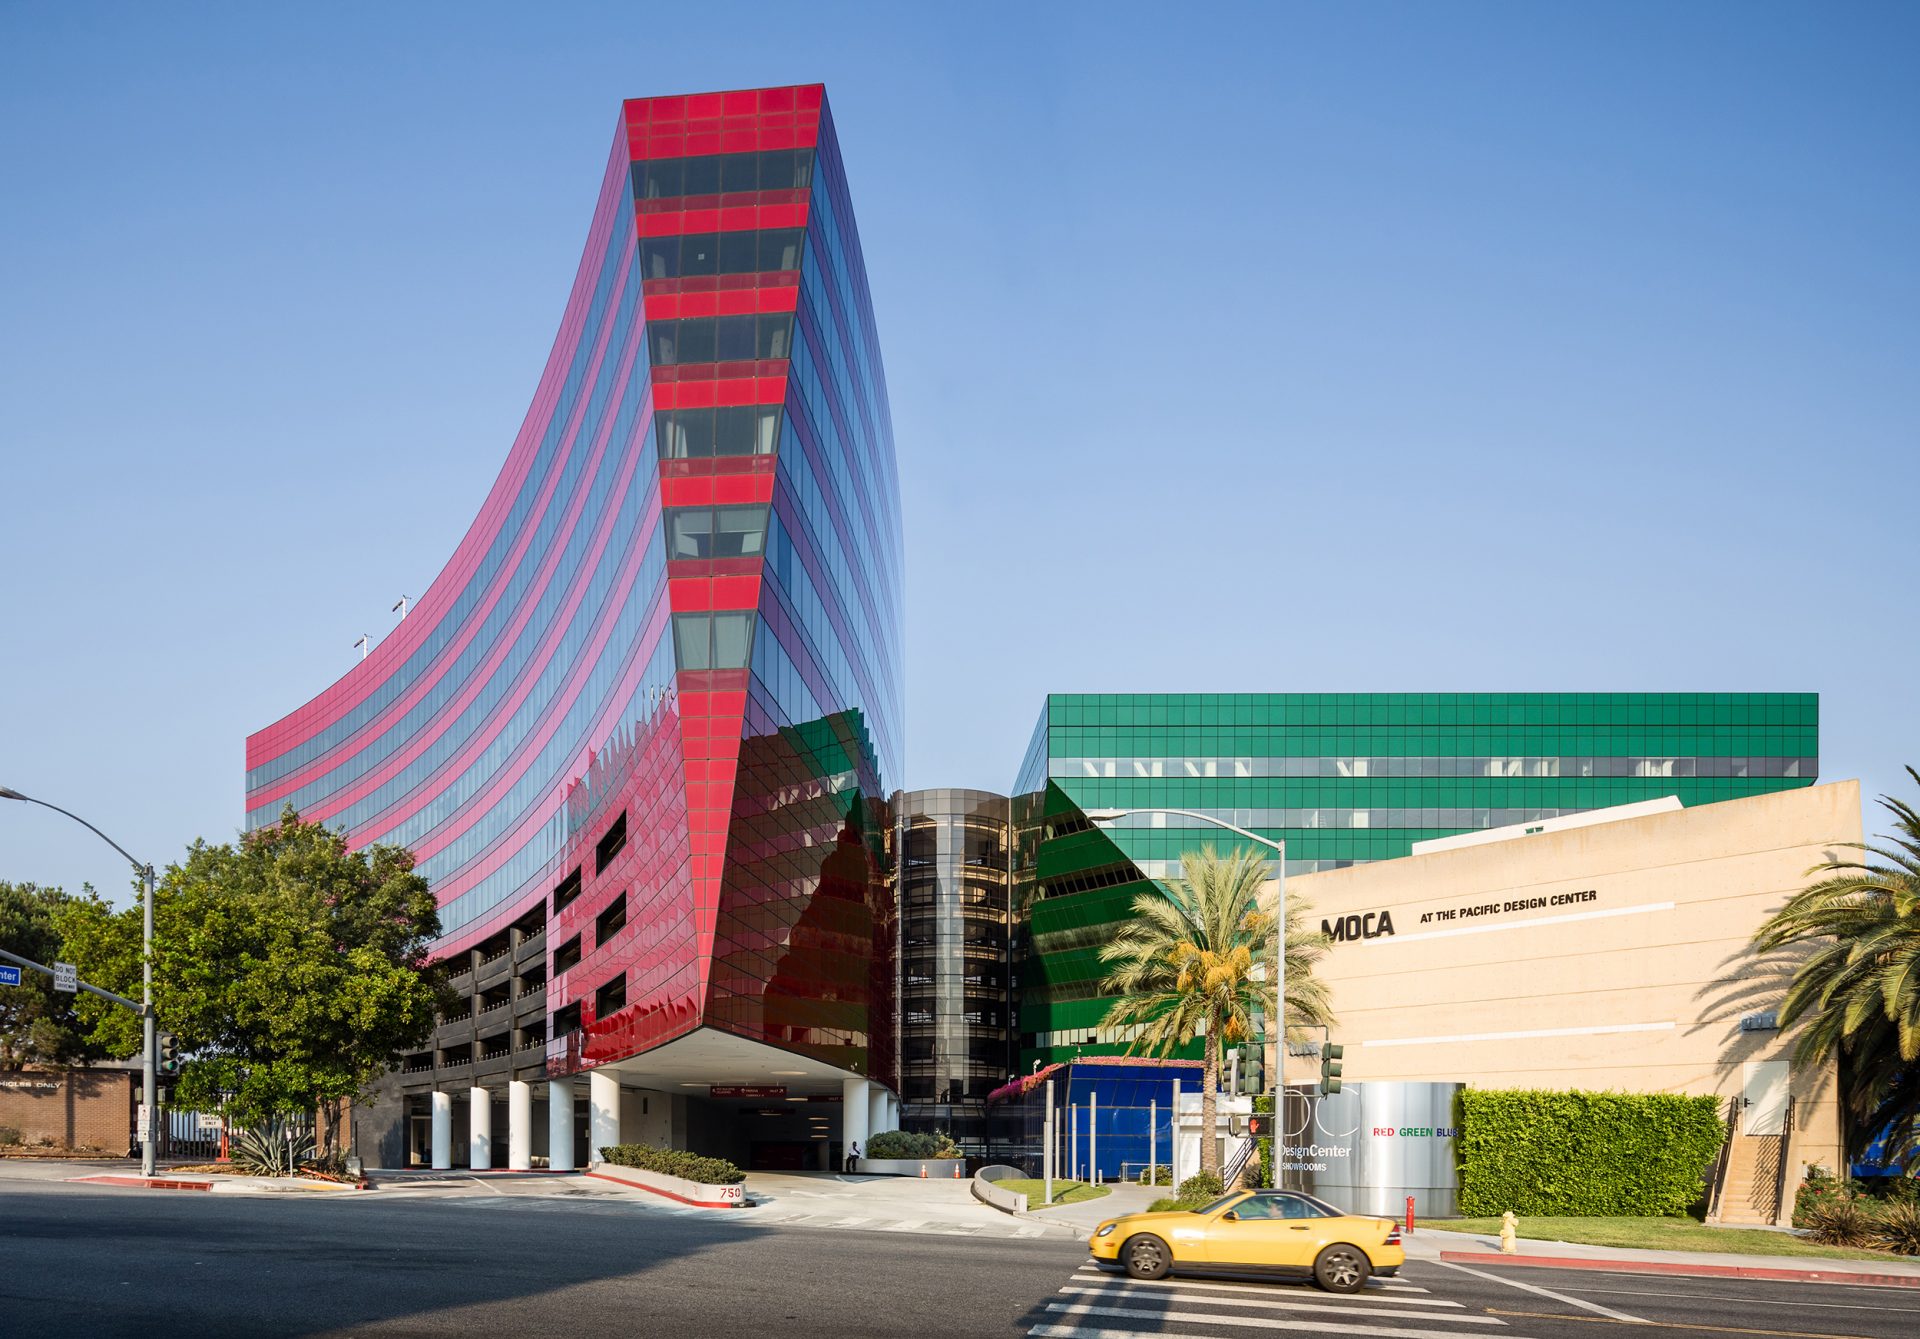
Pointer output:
x,y
276,1148
1899,1228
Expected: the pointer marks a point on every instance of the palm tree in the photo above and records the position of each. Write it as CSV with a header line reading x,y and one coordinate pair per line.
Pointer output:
x,y
1857,991
1184,966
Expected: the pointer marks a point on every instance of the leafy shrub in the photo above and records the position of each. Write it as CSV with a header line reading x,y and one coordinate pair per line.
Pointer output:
x,y
276,1148
1165,1204
674,1162
1842,1222
9,1134
1198,1189
906,1145
1584,1154
1898,1229
1160,1174
1818,1191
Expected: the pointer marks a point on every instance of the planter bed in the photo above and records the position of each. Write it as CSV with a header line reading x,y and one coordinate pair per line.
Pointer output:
x,y
699,1194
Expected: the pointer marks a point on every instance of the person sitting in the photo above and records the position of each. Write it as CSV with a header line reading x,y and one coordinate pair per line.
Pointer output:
x,y
852,1163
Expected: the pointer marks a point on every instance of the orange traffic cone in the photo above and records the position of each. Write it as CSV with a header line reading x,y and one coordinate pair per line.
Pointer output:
x,y
923,1171
956,1171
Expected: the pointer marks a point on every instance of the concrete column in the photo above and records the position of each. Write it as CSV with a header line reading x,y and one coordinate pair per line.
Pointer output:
x,y
893,1112
876,1109
853,1115
603,1112
560,1124
519,1125
442,1131
479,1130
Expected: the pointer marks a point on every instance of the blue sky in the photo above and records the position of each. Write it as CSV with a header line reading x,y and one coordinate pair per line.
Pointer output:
x,y
1279,347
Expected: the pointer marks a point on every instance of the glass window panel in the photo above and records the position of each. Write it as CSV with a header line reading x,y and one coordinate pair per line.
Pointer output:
x,y
734,429
698,253
803,168
732,639
664,177
689,532
695,340
659,257
740,172
737,252
769,430
733,338
775,330
666,342
776,170
692,640
702,175
780,249
739,532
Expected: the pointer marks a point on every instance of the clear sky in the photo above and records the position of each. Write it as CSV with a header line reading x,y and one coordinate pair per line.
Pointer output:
x,y
1287,347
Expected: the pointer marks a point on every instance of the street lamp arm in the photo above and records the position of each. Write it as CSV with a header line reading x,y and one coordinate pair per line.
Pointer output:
x,y
1110,815
139,866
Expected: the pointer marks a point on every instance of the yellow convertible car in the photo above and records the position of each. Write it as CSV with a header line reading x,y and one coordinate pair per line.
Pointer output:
x,y
1264,1233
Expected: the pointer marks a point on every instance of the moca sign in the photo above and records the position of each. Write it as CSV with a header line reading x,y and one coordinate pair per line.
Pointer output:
x,y
1365,925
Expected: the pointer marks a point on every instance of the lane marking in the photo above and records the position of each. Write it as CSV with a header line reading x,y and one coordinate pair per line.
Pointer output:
x,y
1317,1326
1759,1301
1594,1307
1263,1289
1128,1293
1670,1325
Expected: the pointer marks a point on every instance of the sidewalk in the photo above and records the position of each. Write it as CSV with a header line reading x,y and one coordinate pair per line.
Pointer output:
x,y
1474,1249
1086,1215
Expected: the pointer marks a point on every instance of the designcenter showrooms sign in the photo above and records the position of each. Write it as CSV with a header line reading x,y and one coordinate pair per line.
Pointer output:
x,y
1373,1144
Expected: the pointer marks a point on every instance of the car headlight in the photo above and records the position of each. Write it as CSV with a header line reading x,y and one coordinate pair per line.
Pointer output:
x,y
1106,1229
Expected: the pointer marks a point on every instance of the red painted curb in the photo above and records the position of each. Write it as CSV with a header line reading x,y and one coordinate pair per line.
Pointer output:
x,y
1862,1279
145,1183
641,1185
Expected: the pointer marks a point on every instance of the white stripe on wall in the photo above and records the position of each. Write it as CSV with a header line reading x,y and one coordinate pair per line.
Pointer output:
x,y
1568,918
1524,1036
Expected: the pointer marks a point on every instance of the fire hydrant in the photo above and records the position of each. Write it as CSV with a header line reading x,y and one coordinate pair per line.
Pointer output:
x,y
1509,1234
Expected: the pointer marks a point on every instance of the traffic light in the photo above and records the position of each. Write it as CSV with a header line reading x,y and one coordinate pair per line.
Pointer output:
x,y
1250,1076
1330,1068
169,1053
1259,1126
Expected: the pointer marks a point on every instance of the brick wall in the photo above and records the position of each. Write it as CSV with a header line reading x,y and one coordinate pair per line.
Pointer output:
x,y
84,1109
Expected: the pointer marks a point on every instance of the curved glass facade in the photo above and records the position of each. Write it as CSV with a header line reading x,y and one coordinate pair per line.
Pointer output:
x,y
951,852
652,705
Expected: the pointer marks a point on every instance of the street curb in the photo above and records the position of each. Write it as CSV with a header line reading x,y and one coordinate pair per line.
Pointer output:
x,y
1673,1267
142,1182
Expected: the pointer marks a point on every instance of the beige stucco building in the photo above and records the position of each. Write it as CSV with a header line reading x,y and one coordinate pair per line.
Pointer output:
x,y
1608,954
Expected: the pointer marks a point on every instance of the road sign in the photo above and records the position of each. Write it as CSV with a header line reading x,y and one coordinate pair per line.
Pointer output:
x,y
209,1122
143,1123
9,976
760,1090
66,977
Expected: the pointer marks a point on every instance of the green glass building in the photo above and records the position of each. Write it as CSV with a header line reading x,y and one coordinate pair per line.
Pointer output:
x,y
1341,778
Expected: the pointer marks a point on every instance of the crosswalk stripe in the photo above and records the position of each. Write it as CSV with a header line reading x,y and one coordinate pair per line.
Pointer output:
x,y
1076,1310
909,1225
1134,1292
1264,1289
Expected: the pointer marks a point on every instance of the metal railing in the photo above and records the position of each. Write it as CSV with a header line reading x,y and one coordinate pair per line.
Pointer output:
x,y
1717,1191
1781,1209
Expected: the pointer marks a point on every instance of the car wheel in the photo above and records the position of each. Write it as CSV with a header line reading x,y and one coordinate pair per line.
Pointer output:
x,y
1342,1268
1146,1257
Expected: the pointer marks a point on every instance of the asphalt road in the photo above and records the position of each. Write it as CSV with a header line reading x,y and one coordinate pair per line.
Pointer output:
x,y
86,1261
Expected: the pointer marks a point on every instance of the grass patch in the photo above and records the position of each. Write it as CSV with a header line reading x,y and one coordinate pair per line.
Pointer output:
x,y
1657,1234
1064,1192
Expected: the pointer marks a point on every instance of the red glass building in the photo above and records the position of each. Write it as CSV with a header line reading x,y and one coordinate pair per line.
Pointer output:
x,y
641,729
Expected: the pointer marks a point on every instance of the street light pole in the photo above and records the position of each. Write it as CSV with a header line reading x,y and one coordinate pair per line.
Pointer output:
x,y
1279,949
149,1050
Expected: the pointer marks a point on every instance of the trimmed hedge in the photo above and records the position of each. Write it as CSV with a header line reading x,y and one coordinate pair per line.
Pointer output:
x,y
1585,1154
906,1144
674,1162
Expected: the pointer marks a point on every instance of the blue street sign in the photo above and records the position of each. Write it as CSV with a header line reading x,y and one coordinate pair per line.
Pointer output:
x,y
9,976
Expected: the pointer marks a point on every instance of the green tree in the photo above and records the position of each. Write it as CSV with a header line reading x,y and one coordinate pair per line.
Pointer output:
x,y
293,971
38,1024
1856,992
1183,967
